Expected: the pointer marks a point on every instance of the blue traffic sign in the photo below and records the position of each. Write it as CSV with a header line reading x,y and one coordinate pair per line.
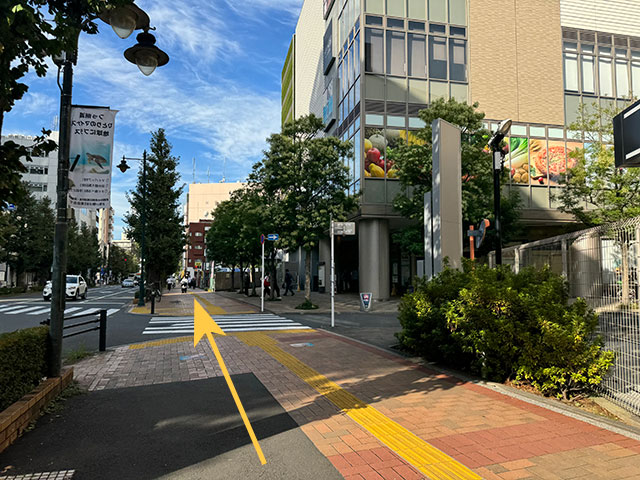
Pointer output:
x,y
11,207
273,237
261,239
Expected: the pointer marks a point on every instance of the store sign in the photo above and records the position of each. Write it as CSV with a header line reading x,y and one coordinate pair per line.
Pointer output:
x,y
327,49
626,137
365,299
327,4
90,156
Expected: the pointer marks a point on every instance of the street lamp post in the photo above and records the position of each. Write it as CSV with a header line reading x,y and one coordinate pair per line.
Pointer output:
x,y
143,216
494,143
124,21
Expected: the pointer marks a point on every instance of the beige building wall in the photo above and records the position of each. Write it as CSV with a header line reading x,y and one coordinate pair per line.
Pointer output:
x,y
515,60
611,16
308,76
203,198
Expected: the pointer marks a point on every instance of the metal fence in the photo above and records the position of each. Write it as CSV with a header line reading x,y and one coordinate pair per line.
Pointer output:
x,y
601,265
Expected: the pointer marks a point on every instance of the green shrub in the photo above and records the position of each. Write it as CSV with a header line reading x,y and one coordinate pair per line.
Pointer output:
x,y
422,316
23,355
502,325
569,358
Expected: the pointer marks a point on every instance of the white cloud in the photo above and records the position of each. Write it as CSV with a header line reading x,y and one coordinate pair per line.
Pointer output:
x,y
223,117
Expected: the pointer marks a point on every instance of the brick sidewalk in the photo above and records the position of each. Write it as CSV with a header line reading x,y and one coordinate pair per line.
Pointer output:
x,y
377,416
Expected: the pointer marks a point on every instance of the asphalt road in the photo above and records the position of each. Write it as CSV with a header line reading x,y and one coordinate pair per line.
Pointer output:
x,y
184,430
374,328
29,310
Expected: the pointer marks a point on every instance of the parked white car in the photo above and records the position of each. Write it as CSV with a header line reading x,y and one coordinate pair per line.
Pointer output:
x,y
76,287
128,283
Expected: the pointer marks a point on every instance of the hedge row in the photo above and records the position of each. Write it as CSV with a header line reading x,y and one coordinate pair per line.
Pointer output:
x,y
23,355
504,325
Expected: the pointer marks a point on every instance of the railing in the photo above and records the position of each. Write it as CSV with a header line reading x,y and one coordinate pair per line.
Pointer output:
x,y
102,326
601,265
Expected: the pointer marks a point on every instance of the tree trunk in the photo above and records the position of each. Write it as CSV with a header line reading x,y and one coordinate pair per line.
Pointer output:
x,y
307,275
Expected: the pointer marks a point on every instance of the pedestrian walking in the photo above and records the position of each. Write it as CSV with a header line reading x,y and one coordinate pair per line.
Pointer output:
x,y
288,280
267,285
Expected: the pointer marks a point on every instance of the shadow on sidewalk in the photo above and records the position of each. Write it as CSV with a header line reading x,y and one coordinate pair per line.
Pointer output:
x,y
183,430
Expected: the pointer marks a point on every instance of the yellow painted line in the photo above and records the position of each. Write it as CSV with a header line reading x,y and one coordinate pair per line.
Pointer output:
x,y
203,325
158,343
426,458
211,308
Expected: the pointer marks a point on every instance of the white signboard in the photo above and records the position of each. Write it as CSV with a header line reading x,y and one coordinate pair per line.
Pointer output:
x,y
344,228
90,157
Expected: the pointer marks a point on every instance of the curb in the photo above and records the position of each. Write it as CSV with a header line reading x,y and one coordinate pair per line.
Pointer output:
x,y
17,417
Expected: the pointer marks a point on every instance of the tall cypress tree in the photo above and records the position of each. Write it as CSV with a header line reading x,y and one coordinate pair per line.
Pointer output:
x,y
164,231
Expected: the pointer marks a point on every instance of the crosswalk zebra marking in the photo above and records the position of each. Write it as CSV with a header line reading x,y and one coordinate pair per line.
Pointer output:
x,y
22,310
228,323
12,307
42,310
39,310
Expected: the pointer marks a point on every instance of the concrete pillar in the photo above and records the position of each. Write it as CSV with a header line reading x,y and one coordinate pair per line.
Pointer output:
x,y
373,247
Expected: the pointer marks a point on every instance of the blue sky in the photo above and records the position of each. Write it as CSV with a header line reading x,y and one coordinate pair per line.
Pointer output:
x,y
218,97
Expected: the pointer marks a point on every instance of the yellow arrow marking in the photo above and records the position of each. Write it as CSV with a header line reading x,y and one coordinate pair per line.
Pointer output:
x,y
203,325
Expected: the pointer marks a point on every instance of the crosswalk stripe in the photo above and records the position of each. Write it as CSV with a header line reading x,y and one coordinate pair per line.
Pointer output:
x,y
86,312
71,309
12,307
42,310
22,310
228,323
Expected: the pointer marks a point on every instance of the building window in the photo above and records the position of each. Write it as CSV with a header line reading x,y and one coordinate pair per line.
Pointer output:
x,y
588,74
395,53
198,247
606,77
373,50
437,57
198,234
571,72
417,49
457,60
37,187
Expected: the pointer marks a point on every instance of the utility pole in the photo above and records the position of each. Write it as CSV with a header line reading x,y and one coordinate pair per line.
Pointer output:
x,y
59,275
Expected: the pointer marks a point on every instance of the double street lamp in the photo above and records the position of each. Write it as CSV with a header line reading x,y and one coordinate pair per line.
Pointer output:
x,y
143,216
124,20
498,157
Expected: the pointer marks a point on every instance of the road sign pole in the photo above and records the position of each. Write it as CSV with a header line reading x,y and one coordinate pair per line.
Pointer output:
x,y
262,276
333,312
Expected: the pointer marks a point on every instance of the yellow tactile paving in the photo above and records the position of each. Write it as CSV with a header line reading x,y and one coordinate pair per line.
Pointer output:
x,y
426,458
158,343
210,307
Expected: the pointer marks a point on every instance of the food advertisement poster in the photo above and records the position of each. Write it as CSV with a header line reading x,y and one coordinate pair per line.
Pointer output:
x,y
537,161
519,156
379,149
90,156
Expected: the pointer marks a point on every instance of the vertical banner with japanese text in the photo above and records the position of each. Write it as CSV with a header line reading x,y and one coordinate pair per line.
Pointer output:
x,y
90,156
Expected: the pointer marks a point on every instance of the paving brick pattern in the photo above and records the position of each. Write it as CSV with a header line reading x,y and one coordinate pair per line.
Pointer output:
x,y
61,475
499,437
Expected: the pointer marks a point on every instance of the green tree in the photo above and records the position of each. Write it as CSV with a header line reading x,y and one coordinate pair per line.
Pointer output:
x,y
28,245
28,37
414,164
611,193
596,192
83,251
164,232
121,263
304,181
